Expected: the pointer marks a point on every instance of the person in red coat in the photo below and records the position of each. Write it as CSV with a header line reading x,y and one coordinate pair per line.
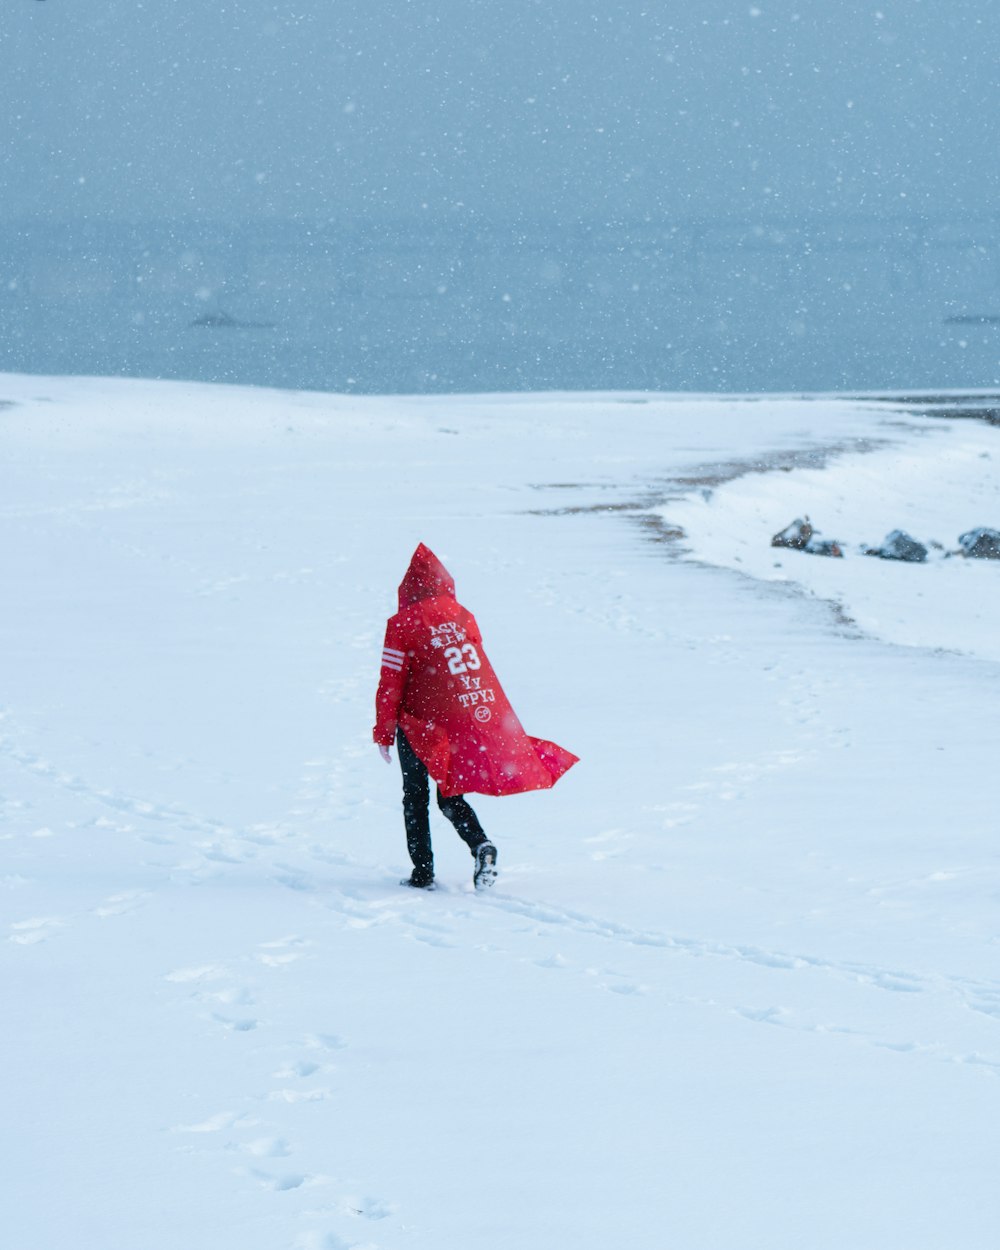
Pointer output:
x,y
440,699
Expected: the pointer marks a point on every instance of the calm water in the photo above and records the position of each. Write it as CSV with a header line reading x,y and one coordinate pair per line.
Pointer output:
x,y
401,314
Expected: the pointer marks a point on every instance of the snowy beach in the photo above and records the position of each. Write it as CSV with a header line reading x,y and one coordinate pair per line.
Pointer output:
x,y
736,987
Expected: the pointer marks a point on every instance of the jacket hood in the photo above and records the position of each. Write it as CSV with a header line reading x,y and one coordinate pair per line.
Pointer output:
x,y
425,578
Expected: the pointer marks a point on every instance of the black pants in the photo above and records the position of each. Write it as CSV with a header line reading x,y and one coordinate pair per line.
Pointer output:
x,y
416,813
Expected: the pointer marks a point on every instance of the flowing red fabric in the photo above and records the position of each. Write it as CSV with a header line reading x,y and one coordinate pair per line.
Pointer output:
x,y
438,686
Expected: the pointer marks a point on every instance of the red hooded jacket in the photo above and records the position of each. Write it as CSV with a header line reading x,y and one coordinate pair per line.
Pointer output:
x,y
438,686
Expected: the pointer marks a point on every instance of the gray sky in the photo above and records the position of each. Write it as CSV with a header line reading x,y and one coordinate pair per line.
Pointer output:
x,y
320,109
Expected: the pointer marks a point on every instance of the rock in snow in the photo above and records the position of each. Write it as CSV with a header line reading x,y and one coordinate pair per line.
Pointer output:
x,y
980,544
795,535
898,545
800,536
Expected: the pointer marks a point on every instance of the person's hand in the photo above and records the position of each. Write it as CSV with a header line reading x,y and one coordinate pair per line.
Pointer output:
x,y
385,752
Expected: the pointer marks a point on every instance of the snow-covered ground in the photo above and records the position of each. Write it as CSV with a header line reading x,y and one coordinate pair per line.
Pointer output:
x,y
936,488
737,986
